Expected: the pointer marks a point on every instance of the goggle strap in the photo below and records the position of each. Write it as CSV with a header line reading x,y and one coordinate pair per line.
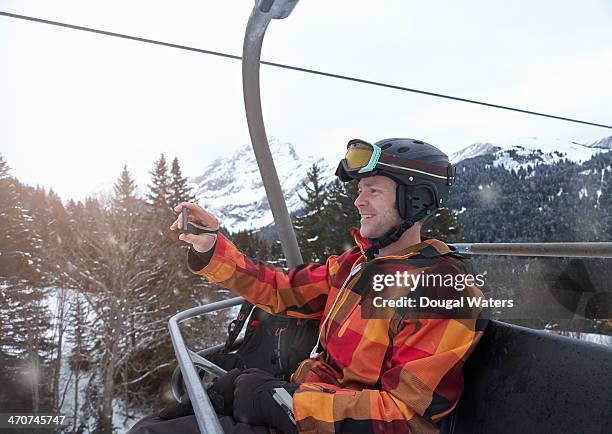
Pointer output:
x,y
403,162
420,173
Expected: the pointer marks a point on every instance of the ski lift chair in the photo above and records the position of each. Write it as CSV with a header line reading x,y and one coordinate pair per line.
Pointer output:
x,y
520,380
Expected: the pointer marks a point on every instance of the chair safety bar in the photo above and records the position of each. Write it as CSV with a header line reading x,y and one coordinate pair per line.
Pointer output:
x,y
202,407
569,250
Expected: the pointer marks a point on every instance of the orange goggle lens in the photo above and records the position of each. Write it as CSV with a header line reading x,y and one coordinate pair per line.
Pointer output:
x,y
358,155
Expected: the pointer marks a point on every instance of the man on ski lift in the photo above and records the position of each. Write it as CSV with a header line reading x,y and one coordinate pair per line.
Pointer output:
x,y
375,370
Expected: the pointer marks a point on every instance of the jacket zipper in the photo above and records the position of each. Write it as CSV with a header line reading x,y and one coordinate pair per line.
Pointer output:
x,y
352,274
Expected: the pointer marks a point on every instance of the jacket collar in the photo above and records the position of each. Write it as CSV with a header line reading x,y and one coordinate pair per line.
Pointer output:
x,y
428,247
362,242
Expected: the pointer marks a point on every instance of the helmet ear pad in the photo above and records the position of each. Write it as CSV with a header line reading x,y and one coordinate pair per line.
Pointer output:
x,y
415,202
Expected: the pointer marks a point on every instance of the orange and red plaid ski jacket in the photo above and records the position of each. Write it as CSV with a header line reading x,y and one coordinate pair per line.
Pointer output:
x,y
386,375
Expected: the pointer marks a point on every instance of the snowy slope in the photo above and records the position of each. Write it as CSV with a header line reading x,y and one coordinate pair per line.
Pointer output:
x,y
232,189
67,375
605,143
472,151
534,151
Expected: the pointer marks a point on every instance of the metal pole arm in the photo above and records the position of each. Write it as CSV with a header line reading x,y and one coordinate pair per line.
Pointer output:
x,y
263,12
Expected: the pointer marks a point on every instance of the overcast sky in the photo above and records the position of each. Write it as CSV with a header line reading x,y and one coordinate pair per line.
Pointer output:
x,y
75,107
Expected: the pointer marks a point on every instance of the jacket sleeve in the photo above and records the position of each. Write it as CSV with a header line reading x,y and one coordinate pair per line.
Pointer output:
x,y
302,292
422,384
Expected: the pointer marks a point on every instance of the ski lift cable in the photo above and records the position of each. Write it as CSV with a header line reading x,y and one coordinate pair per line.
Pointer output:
x,y
304,70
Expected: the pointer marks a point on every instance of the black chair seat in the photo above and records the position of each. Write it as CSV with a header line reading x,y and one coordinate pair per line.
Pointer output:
x,y
520,380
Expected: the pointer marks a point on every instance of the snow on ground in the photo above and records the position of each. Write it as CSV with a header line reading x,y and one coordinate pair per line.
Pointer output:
x,y
534,151
67,376
606,143
472,151
595,338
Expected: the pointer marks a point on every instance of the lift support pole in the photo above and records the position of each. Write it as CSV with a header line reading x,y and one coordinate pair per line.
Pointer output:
x,y
263,12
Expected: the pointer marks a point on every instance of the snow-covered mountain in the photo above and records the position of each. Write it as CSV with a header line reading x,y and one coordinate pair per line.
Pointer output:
x,y
231,187
533,151
605,143
472,151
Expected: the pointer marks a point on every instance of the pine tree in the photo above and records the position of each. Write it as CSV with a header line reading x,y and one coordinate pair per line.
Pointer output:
x,y
342,214
170,261
179,189
124,193
312,226
24,319
48,227
276,255
15,242
159,197
444,225
251,244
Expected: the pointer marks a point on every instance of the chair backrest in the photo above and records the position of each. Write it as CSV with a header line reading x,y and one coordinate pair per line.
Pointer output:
x,y
526,381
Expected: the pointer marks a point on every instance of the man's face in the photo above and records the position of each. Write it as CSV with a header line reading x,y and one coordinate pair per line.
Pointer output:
x,y
376,205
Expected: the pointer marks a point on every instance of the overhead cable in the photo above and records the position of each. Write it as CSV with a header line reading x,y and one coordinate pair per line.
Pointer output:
x,y
296,68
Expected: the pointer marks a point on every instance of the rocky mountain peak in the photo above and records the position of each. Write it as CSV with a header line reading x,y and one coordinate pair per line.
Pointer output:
x,y
605,143
232,189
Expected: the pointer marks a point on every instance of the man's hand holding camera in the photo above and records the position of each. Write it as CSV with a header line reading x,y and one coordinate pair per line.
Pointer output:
x,y
198,227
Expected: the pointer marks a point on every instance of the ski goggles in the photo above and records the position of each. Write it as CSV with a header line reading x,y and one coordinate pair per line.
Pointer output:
x,y
365,159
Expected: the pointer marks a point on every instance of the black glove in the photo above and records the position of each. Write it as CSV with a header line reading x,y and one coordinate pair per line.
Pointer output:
x,y
254,404
177,409
221,394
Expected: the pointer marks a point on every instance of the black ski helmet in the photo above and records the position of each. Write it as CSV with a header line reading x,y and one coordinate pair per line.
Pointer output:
x,y
423,174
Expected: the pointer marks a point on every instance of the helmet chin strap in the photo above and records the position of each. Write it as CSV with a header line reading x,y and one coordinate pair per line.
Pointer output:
x,y
390,237
393,234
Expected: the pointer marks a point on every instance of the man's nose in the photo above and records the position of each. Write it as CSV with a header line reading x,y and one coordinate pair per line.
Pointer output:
x,y
360,201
